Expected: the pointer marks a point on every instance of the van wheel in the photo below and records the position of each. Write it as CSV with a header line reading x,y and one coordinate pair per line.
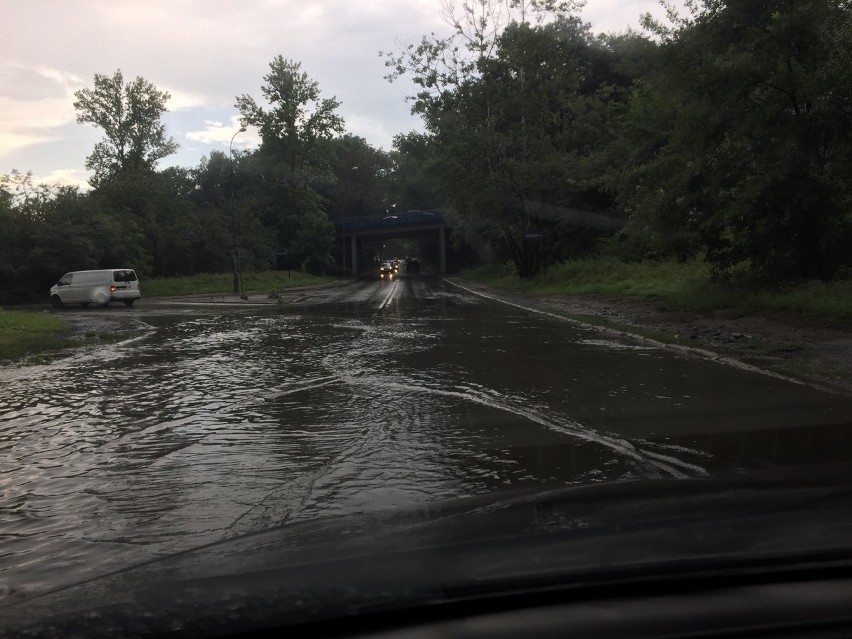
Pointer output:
x,y
56,301
129,302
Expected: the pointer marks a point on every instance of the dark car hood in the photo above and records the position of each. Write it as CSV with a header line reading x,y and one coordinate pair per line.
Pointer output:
x,y
531,542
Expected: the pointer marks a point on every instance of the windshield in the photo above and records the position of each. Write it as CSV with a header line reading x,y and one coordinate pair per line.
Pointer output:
x,y
390,258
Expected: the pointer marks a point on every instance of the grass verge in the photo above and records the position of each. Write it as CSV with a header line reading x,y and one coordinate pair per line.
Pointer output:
x,y
223,283
686,286
23,334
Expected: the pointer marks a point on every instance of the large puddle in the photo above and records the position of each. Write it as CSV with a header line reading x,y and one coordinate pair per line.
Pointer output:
x,y
215,425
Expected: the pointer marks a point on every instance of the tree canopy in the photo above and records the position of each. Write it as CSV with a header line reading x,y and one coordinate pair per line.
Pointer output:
x,y
129,115
758,98
293,160
723,134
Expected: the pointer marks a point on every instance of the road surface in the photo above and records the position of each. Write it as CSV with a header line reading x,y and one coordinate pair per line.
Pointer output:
x,y
222,419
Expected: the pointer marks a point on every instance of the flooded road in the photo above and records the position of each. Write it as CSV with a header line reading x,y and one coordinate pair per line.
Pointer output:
x,y
219,421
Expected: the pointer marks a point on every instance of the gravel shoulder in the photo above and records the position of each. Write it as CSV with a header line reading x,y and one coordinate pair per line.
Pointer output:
x,y
813,350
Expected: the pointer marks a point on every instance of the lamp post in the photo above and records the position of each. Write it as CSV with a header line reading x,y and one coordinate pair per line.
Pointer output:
x,y
343,233
235,250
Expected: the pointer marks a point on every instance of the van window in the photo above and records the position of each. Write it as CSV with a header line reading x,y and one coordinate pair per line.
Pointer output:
x,y
91,277
67,278
124,276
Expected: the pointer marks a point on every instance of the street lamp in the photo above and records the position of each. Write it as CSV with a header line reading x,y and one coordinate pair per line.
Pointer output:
x,y
235,250
343,234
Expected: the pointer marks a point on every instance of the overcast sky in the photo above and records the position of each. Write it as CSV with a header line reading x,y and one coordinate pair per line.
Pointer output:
x,y
206,52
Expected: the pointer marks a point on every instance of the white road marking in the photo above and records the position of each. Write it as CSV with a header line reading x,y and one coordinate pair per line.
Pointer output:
x,y
387,299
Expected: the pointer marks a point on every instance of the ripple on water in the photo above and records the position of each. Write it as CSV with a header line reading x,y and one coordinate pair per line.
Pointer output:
x,y
220,425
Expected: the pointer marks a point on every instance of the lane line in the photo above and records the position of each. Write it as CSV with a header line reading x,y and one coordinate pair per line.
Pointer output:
x,y
387,299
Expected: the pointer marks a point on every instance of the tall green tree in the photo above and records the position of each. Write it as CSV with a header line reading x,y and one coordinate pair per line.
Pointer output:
x,y
130,116
214,182
753,166
292,161
521,132
360,178
411,184
296,121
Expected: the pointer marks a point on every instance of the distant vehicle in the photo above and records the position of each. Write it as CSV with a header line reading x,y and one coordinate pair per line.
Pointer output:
x,y
96,287
412,265
386,270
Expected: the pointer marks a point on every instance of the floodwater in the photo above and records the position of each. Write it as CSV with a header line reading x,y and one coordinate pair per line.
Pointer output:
x,y
220,421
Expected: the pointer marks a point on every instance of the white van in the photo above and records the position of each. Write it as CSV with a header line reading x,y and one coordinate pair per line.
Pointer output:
x,y
98,287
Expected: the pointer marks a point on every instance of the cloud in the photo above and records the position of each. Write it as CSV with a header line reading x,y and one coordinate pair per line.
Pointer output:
x,y
13,140
376,132
183,100
216,133
34,103
205,53
607,16
65,177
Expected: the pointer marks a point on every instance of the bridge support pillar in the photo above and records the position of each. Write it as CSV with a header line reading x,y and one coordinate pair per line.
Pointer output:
x,y
442,250
354,256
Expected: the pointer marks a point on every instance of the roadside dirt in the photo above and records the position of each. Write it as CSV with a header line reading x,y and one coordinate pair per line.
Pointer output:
x,y
812,350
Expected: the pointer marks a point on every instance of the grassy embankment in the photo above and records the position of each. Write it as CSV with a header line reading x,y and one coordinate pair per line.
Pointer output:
x,y
222,283
23,333
685,286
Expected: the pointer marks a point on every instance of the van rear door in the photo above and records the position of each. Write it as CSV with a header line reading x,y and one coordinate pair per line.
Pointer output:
x,y
124,282
124,279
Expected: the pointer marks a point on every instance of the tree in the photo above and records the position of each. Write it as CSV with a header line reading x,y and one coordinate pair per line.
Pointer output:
x,y
411,184
292,162
440,65
211,217
360,178
129,115
754,163
297,120
47,230
521,124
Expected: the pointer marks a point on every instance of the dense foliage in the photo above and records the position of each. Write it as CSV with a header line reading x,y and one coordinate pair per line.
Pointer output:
x,y
724,135
273,204
757,147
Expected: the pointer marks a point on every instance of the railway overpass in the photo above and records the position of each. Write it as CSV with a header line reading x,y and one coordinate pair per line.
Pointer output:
x,y
357,231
